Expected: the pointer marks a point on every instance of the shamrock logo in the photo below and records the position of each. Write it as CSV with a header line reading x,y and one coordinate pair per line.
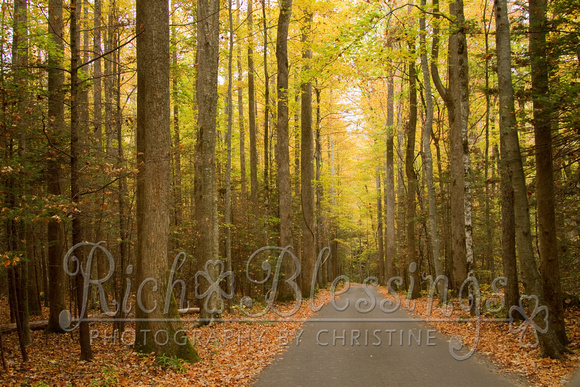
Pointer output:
x,y
529,321
211,269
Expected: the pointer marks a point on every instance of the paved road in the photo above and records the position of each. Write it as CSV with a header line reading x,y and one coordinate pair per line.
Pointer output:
x,y
342,349
575,381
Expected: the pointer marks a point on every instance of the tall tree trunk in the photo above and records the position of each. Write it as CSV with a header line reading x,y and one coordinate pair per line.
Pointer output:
x,y
412,178
20,66
55,231
319,190
252,111
266,106
307,173
381,254
124,212
456,98
507,125
83,100
153,184
427,155
241,110
511,157
401,195
97,73
390,239
297,139
282,145
76,149
109,60
542,116
446,211
488,259
458,86
508,232
176,143
206,207
282,148
230,114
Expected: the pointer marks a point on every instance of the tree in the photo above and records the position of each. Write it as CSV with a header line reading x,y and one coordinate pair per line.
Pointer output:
x,y
306,159
55,232
412,177
240,91
427,156
282,146
266,106
97,73
390,239
230,113
176,143
542,122
282,155
456,98
252,110
507,120
206,208
158,323
511,156
380,239
76,152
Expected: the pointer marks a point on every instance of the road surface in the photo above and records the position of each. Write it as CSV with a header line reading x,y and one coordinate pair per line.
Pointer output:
x,y
351,348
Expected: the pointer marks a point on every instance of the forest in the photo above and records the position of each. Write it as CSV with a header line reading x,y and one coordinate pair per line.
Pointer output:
x,y
362,140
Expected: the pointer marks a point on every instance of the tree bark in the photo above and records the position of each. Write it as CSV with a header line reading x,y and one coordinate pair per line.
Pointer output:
x,y
266,107
411,259
542,116
511,157
252,111
153,184
76,150
97,73
230,114
22,237
109,83
319,190
84,56
34,306
282,145
176,143
241,111
124,212
306,163
206,206
427,155
488,259
380,240
456,99
391,248
282,154
55,230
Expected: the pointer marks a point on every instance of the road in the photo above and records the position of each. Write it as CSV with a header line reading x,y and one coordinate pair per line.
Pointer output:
x,y
350,348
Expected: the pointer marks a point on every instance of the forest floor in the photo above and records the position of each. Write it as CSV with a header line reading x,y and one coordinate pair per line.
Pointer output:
x,y
234,353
